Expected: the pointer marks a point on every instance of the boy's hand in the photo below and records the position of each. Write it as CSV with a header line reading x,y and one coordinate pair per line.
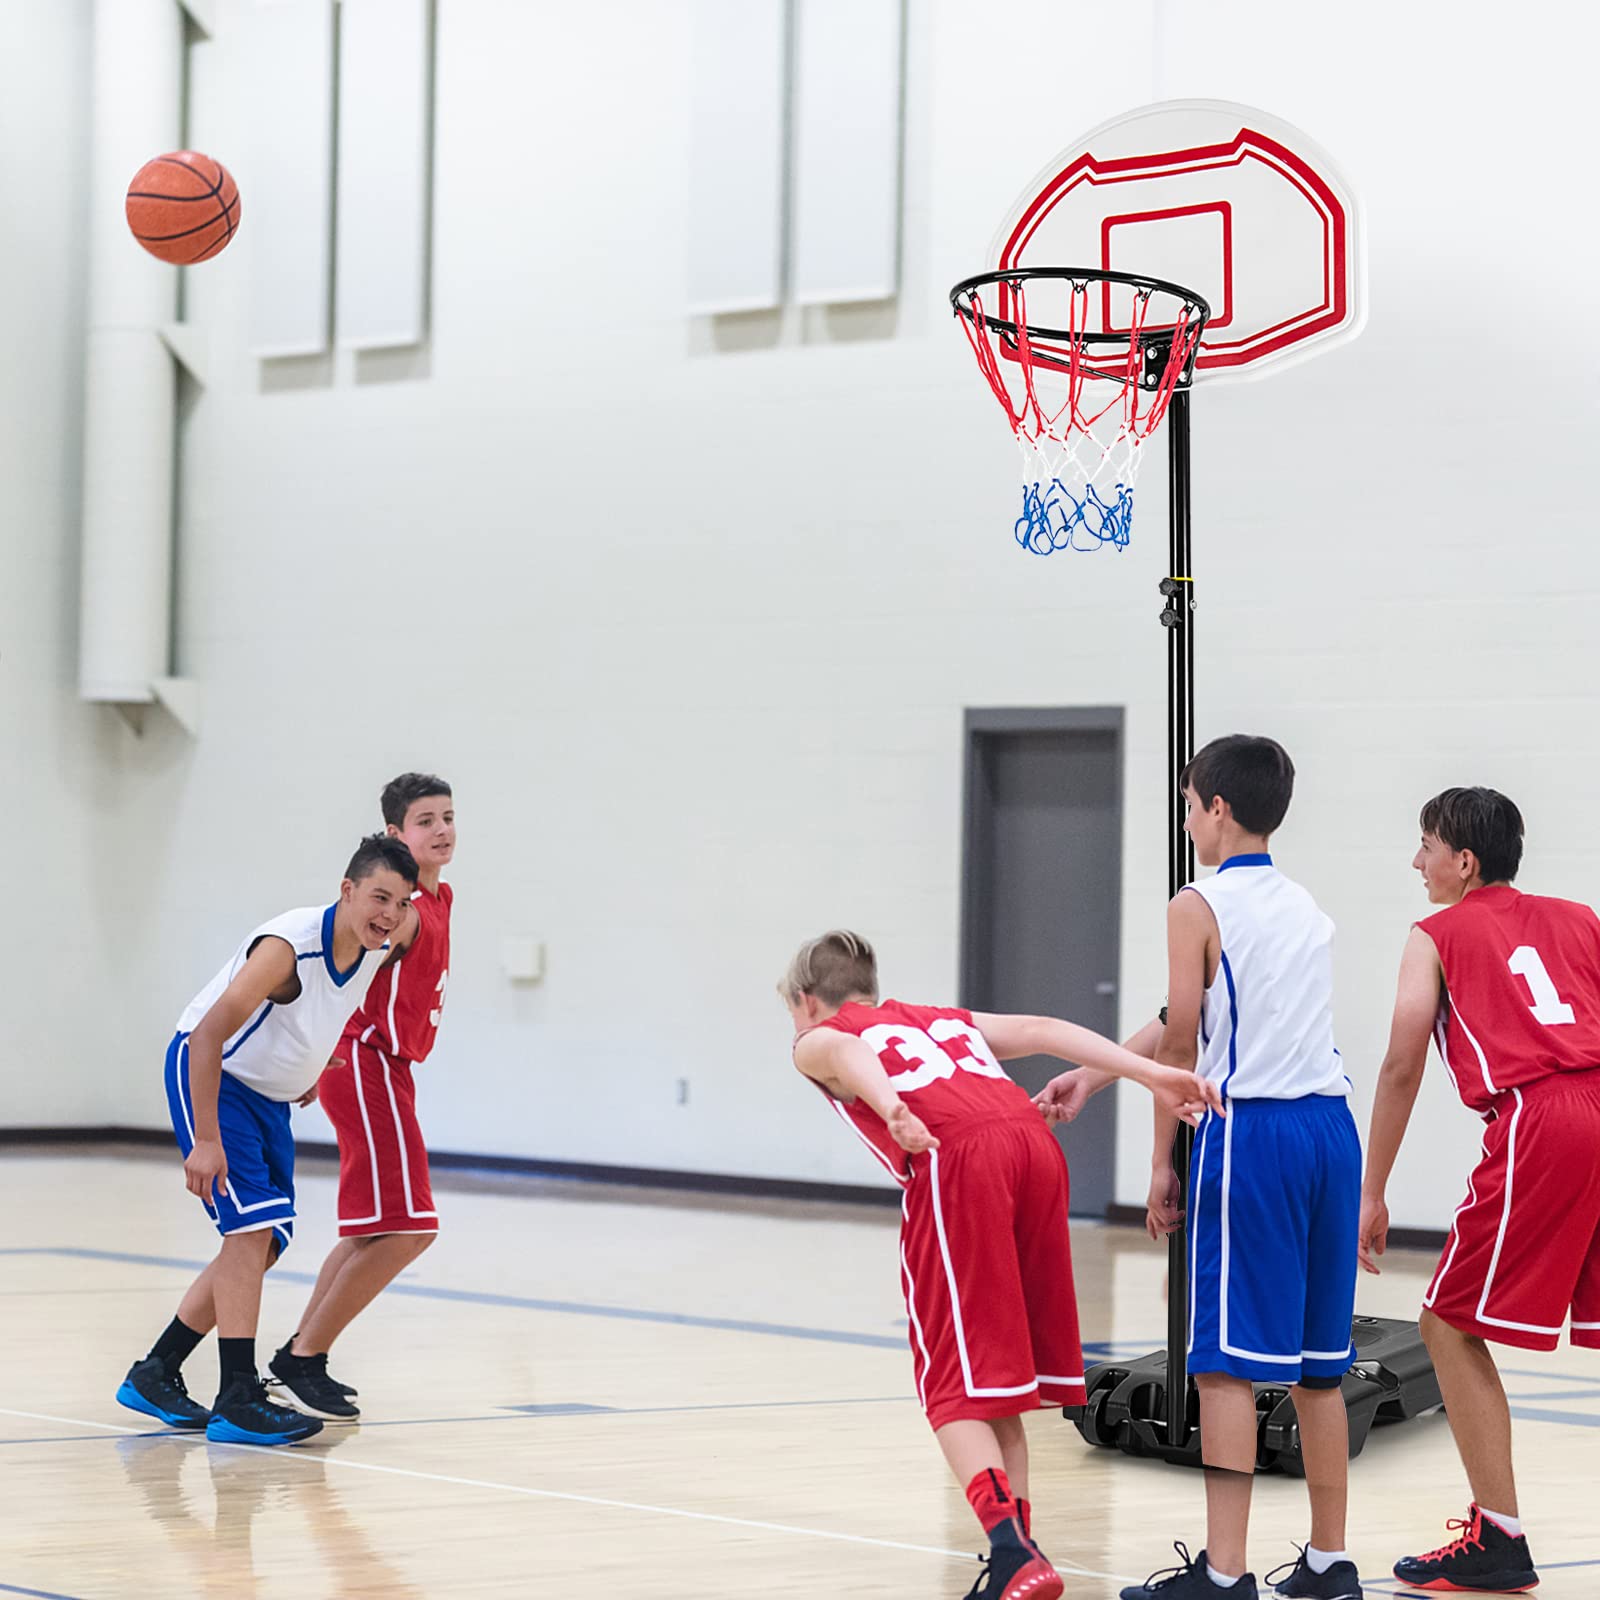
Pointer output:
x,y
1372,1236
310,1095
205,1167
1185,1095
1164,1208
908,1131
1064,1098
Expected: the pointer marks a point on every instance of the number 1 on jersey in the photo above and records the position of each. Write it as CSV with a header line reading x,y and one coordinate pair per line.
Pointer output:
x,y
1548,1007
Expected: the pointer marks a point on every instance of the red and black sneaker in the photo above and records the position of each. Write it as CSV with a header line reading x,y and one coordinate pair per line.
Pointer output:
x,y
1483,1559
1015,1569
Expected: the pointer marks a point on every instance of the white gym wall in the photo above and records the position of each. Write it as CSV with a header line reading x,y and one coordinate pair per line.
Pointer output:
x,y
689,608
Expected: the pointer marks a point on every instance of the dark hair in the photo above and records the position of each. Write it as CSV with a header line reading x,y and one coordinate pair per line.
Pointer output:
x,y
1255,776
1482,821
400,794
380,850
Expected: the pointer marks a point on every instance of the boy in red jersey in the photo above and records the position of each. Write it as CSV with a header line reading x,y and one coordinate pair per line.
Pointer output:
x,y
985,1261
1508,984
386,1212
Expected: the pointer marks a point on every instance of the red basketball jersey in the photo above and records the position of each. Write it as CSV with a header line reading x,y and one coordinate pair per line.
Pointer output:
x,y
1523,978
939,1064
400,1015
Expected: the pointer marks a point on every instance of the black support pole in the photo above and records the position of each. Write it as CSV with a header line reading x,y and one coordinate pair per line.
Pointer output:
x,y
1178,619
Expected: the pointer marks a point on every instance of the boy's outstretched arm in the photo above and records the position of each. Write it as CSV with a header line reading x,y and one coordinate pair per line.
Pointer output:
x,y
1416,1007
849,1069
269,969
1191,938
1064,1097
1183,1093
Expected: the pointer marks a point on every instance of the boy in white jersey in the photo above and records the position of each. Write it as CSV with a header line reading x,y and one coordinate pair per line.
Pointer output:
x,y
1275,1186
250,1044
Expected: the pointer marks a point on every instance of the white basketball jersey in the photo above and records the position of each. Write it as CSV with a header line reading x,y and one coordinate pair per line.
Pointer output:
x,y
281,1051
1266,1029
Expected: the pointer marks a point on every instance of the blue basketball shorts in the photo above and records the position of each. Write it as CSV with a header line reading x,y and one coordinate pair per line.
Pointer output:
x,y
1274,1208
257,1141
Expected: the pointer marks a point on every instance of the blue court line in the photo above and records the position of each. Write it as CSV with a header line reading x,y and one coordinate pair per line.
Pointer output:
x,y
38,1594
1570,1419
1590,1378
1591,1393
512,1414
524,1413
475,1297
90,1438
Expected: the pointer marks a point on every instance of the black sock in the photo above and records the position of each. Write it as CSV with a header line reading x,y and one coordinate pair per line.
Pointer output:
x,y
176,1345
238,1359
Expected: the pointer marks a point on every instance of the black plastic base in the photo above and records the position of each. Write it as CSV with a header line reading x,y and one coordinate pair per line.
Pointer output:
x,y
1392,1380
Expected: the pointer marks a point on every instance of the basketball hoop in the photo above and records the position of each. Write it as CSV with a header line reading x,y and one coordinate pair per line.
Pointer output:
x,y
1080,444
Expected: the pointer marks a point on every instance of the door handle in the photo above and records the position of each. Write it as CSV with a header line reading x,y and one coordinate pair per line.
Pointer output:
x,y
1105,986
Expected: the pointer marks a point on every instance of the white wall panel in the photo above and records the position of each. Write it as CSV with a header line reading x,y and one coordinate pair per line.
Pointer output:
x,y
847,136
736,155
692,629
385,71
286,181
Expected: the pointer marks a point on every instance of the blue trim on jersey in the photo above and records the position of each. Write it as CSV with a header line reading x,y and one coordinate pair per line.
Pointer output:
x,y
1260,859
340,979
1233,1022
232,1048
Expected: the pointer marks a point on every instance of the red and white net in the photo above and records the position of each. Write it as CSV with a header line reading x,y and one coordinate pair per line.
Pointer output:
x,y
1082,394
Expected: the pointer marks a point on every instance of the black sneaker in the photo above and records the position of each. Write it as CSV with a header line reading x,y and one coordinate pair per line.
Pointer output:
x,y
150,1388
244,1415
1191,1581
1015,1569
349,1391
1484,1558
1340,1582
306,1378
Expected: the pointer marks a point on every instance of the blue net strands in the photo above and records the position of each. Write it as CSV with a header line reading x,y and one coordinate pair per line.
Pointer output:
x,y
1058,518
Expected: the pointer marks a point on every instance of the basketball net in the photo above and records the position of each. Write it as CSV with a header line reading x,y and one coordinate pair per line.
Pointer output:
x,y
1080,403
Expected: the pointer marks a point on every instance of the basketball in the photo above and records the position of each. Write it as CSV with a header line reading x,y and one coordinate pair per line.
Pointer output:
x,y
183,207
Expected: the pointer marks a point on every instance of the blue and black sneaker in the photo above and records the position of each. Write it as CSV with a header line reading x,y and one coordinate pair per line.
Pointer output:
x,y
244,1415
1190,1581
1299,1580
155,1391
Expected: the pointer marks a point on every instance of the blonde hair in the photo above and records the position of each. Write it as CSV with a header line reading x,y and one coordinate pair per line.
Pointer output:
x,y
835,966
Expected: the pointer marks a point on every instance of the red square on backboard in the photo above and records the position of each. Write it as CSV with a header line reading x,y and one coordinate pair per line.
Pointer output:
x,y
1205,234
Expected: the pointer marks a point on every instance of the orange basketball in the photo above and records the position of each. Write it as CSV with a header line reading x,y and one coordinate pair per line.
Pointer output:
x,y
183,206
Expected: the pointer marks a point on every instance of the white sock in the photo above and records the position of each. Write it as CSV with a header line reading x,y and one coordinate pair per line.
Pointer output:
x,y
1512,1525
1220,1579
1321,1560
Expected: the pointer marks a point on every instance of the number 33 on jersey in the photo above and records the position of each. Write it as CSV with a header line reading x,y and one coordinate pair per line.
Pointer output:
x,y
938,1063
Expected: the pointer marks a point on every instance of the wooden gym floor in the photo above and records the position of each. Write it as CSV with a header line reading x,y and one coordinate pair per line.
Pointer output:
x,y
600,1391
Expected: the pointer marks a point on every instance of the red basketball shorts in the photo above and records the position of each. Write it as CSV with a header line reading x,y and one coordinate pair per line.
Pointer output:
x,y
383,1163
1525,1247
987,1270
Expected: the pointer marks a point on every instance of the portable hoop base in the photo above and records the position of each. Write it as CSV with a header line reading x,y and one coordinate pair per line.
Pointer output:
x,y
1392,1380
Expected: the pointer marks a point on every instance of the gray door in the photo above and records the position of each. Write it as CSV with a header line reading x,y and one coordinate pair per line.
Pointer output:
x,y
1042,896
